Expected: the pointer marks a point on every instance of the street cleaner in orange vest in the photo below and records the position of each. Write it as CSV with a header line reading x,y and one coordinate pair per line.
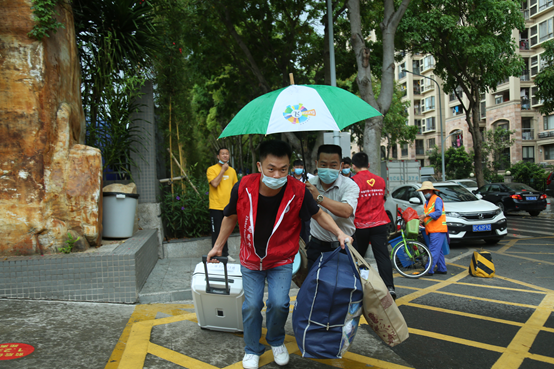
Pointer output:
x,y
434,220
270,210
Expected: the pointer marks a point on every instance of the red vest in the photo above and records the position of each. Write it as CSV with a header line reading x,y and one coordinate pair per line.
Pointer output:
x,y
431,225
282,245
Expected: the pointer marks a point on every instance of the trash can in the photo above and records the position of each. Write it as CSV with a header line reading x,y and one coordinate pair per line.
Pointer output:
x,y
119,214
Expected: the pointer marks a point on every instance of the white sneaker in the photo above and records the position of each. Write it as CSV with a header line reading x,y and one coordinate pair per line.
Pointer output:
x,y
230,259
250,361
280,354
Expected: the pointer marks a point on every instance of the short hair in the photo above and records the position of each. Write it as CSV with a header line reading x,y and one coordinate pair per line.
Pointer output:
x,y
297,163
329,149
360,160
276,148
221,148
346,160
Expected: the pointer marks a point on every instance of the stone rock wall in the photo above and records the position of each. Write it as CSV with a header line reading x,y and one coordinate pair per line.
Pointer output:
x,y
49,182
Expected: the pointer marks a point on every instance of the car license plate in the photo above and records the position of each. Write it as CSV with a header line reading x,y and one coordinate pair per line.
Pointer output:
x,y
531,198
481,227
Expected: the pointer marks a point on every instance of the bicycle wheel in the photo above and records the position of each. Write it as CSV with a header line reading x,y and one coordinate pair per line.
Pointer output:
x,y
412,260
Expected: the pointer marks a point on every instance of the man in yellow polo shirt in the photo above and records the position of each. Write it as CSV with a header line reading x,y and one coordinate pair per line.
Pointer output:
x,y
222,178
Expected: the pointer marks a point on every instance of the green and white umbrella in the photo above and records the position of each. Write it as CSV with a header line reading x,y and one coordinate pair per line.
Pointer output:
x,y
300,108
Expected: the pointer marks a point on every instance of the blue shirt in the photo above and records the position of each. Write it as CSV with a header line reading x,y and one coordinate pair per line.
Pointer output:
x,y
438,208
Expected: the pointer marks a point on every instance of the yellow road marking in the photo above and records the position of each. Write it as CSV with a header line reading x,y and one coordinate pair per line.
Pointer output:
x,y
137,346
524,258
414,295
444,337
461,313
508,245
525,284
176,358
531,253
485,299
409,287
500,288
518,349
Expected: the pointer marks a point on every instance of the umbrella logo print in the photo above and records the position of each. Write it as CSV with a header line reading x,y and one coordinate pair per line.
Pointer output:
x,y
297,114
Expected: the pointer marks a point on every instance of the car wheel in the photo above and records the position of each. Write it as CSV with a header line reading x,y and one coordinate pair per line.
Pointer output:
x,y
534,213
500,204
492,242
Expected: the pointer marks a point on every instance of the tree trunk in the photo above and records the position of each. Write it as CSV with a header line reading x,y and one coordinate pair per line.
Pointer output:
x,y
372,143
477,141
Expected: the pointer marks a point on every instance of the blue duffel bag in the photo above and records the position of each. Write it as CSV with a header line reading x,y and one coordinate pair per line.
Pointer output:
x,y
328,307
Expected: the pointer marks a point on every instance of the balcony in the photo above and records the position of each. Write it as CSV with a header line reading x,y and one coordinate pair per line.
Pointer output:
x,y
525,13
525,76
525,104
546,134
417,90
524,44
419,150
483,110
401,75
417,111
527,134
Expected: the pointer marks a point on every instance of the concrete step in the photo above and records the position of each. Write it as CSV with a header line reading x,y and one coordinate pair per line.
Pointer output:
x,y
196,247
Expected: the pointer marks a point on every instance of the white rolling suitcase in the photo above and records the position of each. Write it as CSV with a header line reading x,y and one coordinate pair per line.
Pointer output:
x,y
218,299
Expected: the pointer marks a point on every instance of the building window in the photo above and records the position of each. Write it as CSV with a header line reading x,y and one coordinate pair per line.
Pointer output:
x,y
458,140
502,124
524,96
430,124
528,153
417,123
548,122
457,110
404,89
394,151
416,65
544,4
548,152
430,103
534,99
419,150
405,150
501,97
417,87
428,62
430,143
527,131
545,30
401,73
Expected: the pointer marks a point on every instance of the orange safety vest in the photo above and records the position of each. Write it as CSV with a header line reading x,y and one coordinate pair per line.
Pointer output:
x,y
434,226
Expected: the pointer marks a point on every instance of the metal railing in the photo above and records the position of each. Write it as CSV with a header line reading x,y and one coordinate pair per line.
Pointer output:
x,y
524,44
525,76
527,134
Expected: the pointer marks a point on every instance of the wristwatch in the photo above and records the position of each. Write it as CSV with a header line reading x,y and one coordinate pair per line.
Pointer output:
x,y
319,198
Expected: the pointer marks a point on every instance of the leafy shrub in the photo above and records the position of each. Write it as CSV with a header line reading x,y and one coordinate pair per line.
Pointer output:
x,y
185,214
529,173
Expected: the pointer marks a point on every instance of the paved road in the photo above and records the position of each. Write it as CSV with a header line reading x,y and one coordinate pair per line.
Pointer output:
x,y
455,320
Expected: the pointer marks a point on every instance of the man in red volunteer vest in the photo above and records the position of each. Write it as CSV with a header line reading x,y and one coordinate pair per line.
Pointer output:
x,y
434,220
371,219
270,210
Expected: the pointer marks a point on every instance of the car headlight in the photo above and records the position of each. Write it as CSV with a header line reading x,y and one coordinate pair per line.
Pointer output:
x,y
453,215
454,224
502,221
497,211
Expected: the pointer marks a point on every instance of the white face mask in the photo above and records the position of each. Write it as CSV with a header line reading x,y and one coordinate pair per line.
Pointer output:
x,y
427,195
273,183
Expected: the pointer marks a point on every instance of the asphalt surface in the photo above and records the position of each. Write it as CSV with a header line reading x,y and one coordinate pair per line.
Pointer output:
x,y
455,320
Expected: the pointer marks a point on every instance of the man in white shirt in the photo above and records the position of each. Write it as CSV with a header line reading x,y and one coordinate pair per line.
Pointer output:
x,y
336,195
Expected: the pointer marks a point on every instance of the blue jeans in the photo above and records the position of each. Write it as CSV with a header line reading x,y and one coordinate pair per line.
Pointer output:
x,y
253,281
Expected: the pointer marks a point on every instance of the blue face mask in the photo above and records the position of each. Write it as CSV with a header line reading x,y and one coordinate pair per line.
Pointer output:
x,y
221,162
346,171
273,183
298,171
427,196
327,175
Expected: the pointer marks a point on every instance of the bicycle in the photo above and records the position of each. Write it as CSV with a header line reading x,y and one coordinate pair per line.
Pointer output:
x,y
410,258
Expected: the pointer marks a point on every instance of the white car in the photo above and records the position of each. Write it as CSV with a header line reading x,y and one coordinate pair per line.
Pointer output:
x,y
470,184
467,217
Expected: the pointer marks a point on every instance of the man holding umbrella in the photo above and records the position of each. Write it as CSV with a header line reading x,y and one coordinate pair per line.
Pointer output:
x,y
270,210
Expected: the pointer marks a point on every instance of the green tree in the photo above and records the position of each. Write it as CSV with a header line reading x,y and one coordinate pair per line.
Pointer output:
x,y
530,174
388,14
545,79
495,143
471,41
457,162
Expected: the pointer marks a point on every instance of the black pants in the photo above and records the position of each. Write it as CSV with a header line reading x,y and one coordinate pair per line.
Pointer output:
x,y
378,238
216,217
315,248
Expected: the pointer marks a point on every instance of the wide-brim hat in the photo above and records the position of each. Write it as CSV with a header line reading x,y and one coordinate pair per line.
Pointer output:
x,y
427,185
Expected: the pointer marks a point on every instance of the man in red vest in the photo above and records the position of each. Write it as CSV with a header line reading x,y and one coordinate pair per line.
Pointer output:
x,y
270,210
371,219
434,219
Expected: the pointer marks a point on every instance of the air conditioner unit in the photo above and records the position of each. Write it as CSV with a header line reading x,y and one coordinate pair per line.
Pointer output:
x,y
543,134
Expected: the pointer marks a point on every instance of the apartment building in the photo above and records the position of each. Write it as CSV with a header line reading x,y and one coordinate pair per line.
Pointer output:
x,y
513,105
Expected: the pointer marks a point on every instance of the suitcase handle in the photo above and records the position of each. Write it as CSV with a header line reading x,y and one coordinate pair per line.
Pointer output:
x,y
215,290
